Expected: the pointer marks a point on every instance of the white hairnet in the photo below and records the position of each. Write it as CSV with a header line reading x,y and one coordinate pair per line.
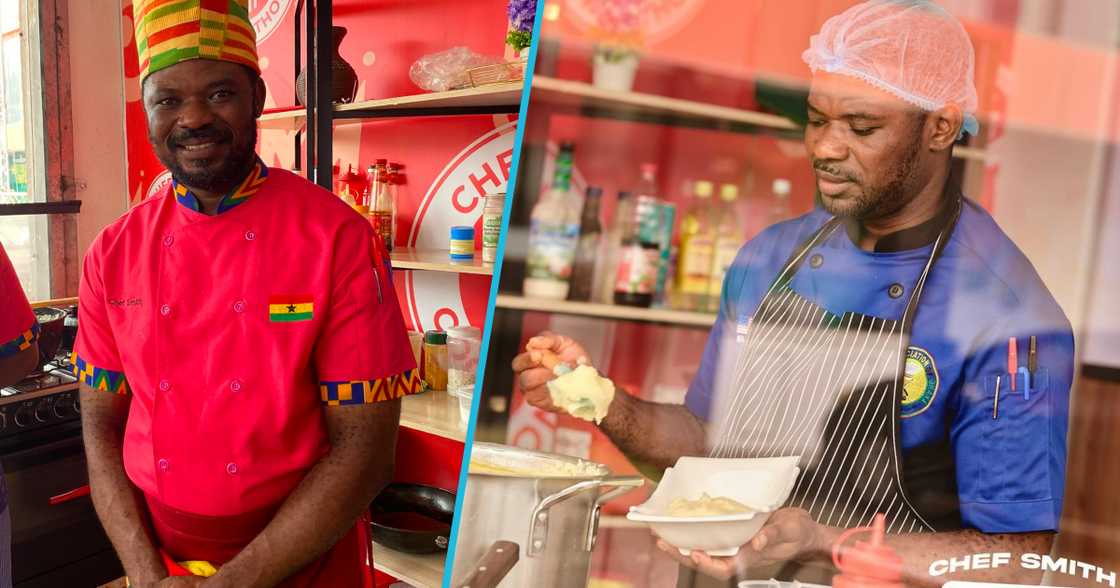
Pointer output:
x,y
913,49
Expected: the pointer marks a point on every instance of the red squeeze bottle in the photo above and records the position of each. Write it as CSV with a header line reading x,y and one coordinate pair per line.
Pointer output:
x,y
867,565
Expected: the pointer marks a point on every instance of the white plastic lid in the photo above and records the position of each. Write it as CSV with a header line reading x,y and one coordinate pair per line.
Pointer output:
x,y
465,332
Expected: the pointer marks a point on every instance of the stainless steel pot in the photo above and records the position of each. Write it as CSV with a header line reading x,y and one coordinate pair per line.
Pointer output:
x,y
553,519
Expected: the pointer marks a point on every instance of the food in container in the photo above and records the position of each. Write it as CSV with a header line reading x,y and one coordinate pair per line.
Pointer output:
x,y
763,484
706,506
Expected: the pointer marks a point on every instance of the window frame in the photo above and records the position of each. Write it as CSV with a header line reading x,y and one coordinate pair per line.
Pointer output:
x,y
47,107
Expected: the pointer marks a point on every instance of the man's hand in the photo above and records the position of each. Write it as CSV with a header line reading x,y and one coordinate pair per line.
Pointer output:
x,y
533,376
789,534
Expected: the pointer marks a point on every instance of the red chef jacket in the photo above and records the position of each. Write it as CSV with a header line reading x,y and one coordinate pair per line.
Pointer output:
x,y
231,332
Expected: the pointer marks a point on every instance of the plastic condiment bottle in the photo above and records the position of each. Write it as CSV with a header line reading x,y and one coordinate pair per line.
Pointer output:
x,y
869,564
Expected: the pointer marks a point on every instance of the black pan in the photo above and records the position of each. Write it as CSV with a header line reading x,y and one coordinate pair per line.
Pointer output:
x,y
412,518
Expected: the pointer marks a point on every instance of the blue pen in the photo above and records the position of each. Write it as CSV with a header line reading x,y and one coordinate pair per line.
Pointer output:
x,y
1026,382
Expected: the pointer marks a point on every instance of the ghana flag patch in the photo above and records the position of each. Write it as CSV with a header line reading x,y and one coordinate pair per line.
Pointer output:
x,y
291,308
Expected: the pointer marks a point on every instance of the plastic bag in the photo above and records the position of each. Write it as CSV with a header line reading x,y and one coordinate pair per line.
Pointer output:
x,y
447,70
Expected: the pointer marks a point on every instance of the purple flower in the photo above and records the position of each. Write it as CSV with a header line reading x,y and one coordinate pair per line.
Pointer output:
x,y
522,14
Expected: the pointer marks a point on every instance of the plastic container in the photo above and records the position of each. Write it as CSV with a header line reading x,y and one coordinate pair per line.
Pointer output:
x,y
435,360
762,484
492,212
463,346
462,243
465,397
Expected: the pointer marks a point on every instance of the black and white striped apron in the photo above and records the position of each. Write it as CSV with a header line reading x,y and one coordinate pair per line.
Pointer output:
x,y
826,387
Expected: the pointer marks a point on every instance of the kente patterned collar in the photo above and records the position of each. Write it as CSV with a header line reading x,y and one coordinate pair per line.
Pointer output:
x,y
250,186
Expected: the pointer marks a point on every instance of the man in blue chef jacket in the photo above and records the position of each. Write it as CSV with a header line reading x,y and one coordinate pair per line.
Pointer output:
x,y
895,339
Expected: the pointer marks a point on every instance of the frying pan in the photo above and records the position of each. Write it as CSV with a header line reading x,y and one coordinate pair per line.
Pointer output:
x,y
412,518
51,322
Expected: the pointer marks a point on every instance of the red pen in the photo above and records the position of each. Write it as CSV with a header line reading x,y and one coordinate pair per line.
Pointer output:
x,y
1012,360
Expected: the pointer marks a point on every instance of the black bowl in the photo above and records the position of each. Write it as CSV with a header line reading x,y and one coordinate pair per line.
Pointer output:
x,y
412,518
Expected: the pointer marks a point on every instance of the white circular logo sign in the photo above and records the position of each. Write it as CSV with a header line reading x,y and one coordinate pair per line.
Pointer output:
x,y
455,198
658,19
161,180
267,15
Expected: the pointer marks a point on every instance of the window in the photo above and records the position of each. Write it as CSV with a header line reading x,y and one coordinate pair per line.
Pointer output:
x,y
31,150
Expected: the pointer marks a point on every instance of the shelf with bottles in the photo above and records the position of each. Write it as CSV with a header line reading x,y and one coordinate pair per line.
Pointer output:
x,y
607,311
498,98
657,262
410,258
596,102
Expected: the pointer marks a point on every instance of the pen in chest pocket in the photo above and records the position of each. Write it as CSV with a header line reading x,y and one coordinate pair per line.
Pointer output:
x,y
1012,360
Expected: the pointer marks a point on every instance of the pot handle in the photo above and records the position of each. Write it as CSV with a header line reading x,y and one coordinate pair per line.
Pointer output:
x,y
538,521
493,567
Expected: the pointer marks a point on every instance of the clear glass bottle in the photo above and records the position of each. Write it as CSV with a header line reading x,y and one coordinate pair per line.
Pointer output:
x,y
553,234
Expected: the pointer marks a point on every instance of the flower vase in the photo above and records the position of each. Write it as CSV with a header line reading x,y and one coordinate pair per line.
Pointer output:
x,y
615,73
344,86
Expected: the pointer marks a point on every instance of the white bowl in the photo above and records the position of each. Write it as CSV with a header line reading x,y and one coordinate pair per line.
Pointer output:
x,y
763,484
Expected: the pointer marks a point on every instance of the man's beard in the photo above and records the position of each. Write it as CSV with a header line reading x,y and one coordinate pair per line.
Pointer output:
x,y
228,174
886,199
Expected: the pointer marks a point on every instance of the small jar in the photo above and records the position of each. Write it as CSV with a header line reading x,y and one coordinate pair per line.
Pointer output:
x,y
435,360
462,243
463,346
492,212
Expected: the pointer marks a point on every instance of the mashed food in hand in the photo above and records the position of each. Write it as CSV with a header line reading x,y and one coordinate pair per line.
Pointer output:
x,y
583,393
706,506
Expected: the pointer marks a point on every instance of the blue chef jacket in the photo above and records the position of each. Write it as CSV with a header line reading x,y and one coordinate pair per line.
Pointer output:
x,y
982,291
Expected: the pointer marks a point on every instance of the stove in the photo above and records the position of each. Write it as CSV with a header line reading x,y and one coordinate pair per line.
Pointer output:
x,y
44,464
44,399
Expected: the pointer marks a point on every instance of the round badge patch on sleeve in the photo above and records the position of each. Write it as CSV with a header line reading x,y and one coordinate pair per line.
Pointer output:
x,y
920,382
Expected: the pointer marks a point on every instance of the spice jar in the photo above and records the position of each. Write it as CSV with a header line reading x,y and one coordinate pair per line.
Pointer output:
x,y
435,360
492,212
462,243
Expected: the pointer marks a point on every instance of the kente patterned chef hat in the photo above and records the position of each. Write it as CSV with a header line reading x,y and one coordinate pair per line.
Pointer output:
x,y
173,31
912,49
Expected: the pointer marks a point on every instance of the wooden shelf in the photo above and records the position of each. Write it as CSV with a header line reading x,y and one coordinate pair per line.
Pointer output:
x,y
438,261
496,97
434,412
608,311
596,102
422,571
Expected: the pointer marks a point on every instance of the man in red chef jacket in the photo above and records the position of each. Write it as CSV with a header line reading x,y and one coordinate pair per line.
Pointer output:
x,y
19,355
240,349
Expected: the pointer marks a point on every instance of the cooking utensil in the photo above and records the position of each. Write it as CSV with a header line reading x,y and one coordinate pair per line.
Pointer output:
x,y
51,322
493,567
549,505
412,518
